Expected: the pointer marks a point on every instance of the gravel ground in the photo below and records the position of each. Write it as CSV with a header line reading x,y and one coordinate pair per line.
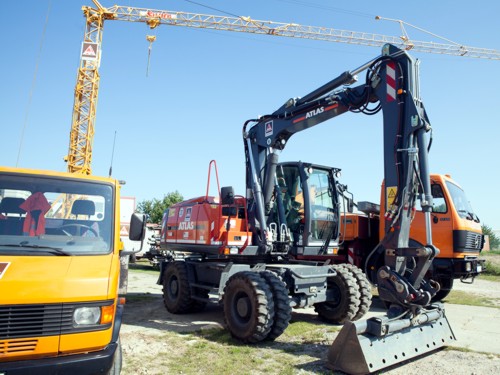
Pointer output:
x,y
145,322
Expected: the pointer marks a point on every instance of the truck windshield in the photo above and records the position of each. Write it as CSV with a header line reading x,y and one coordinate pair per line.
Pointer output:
x,y
461,203
54,216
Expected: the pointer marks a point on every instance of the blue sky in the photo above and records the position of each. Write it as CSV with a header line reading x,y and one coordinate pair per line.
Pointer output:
x,y
203,85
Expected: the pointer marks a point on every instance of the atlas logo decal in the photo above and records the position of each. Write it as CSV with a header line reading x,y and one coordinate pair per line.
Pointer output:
x,y
315,112
186,225
3,268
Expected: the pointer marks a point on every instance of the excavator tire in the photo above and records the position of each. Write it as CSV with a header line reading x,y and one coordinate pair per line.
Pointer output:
x,y
197,305
282,308
346,303
248,307
176,290
365,290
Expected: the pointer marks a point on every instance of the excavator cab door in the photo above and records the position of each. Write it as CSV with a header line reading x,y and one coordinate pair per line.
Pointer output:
x,y
310,203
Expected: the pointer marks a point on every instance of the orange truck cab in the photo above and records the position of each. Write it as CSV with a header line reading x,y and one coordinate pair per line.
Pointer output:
x,y
456,232
60,268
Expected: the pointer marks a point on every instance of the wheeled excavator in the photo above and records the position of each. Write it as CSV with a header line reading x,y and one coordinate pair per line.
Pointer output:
x,y
245,248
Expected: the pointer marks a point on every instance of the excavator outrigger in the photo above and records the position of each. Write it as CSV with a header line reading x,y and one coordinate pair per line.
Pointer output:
x,y
293,209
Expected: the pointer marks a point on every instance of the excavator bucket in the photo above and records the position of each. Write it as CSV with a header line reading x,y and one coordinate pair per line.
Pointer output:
x,y
371,345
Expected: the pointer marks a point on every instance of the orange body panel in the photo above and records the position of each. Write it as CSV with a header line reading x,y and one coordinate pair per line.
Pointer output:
x,y
200,221
83,342
41,279
353,226
28,348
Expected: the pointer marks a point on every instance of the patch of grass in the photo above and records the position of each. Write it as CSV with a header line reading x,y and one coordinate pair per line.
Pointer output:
x,y
221,336
467,350
214,357
490,277
308,333
458,297
214,351
492,254
491,268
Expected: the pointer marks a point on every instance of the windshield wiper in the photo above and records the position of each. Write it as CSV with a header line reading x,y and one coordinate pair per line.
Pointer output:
x,y
49,249
470,216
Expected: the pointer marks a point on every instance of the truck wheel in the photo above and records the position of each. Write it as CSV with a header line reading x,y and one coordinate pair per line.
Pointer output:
x,y
346,298
282,308
116,368
176,291
446,287
365,290
248,307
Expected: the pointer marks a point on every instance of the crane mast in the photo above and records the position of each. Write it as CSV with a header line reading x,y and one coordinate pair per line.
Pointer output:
x,y
87,86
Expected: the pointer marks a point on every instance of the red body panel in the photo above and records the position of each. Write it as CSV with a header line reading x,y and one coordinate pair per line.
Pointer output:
x,y
201,225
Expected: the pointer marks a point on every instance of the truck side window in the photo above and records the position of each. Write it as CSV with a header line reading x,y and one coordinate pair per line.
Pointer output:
x,y
438,201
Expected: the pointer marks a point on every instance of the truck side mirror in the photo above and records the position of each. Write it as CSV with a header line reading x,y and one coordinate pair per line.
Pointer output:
x,y
137,227
227,195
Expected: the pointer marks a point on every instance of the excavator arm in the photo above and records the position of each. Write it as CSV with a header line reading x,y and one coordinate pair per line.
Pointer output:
x,y
391,85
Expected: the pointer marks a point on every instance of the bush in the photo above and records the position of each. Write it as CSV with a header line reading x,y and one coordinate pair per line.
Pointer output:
x,y
494,240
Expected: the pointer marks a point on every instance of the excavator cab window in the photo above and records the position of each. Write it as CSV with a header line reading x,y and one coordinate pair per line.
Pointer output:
x,y
309,202
324,221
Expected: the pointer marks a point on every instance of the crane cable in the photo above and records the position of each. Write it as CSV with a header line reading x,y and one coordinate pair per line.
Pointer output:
x,y
33,83
150,39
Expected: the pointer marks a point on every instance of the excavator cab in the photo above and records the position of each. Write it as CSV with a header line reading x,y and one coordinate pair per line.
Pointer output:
x,y
306,202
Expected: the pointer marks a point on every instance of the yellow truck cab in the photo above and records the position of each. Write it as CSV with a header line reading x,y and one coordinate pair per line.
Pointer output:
x,y
60,307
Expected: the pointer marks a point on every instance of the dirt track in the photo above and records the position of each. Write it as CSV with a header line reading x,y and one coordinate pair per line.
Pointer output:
x,y
146,320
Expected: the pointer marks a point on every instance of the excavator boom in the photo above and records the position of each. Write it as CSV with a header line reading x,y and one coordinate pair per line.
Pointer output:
x,y
391,86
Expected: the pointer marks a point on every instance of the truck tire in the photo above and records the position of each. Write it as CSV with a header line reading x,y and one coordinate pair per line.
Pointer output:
x,y
365,290
116,368
282,308
346,301
446,283
176,290
248,307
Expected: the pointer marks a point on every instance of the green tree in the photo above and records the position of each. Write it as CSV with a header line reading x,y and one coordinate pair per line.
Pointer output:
x,y
494,240
154,208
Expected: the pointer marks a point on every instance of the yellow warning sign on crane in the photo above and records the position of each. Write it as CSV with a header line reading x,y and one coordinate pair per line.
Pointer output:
x,y
390,195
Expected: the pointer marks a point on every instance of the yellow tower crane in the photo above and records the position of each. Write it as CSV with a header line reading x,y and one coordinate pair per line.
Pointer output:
x,y
87,86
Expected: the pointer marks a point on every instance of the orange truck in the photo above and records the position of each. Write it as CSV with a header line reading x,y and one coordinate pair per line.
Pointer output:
x,y
456,232
61,271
